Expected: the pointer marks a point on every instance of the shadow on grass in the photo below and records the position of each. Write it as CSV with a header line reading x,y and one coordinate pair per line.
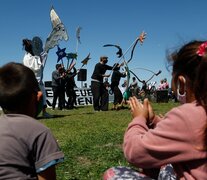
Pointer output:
x,y
54,116
89,113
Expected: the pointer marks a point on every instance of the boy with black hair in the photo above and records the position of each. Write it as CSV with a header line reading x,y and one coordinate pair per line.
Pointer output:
x,y
28,149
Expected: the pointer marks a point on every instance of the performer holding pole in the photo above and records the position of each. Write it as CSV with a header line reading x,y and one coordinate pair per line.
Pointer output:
x,y
97,86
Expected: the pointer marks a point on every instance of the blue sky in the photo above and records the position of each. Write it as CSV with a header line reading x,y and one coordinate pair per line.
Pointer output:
x,y
168,24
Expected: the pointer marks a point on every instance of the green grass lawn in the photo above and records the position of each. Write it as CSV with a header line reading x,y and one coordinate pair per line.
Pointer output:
x,y
91,141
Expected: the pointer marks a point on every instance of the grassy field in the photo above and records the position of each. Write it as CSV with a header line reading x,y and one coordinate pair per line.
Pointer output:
x,y
91,141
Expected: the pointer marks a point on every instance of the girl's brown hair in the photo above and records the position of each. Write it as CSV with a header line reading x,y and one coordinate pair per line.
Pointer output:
x,y
188,63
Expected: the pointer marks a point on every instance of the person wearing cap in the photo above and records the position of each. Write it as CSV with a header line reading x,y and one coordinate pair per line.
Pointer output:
x,y
97,86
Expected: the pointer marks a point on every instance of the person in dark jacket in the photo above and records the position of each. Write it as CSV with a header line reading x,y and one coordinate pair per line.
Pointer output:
x,y
97,86
115,79
69,87
57,87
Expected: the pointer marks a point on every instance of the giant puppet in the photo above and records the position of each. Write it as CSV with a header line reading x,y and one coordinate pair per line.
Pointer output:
x,y
36,55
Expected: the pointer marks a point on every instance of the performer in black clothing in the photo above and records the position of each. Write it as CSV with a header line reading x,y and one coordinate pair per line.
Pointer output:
x,y
57,83
115,79
61,104
70,91
105,97
107,85
97,86
144,86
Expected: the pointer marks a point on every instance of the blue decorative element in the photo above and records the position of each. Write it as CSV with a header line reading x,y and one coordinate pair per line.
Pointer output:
x,y
60,53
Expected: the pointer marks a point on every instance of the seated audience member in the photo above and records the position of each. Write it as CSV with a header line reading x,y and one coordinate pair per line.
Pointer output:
x,y
165,84
28,149
179,139
160,87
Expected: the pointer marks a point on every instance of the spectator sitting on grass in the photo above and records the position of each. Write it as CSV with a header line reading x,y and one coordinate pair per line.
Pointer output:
x,y
28,149
178,141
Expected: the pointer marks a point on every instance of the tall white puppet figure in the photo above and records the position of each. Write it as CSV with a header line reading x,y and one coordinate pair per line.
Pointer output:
x,y
35,59
35,56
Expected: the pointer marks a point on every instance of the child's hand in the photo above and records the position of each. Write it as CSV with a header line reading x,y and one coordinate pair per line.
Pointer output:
x,y
151,116
139,109
151,112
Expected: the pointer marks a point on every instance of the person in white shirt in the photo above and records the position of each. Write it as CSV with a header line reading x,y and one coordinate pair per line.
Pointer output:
x,y
35,58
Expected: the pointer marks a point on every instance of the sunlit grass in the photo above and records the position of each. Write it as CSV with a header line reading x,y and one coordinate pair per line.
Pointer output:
x,y
91,141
